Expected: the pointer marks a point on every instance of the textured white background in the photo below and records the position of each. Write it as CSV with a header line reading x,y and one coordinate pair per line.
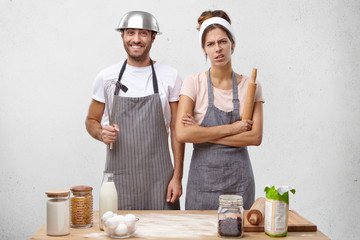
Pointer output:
x,y
308,58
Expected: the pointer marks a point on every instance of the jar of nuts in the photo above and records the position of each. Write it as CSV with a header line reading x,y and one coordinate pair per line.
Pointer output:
x,y
81,206
230,216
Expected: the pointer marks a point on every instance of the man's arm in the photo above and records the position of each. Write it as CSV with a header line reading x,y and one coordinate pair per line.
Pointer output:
x,y
106,134
175,188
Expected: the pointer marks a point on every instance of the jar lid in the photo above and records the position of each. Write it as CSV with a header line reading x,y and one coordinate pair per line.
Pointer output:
x,y
230,200
81,188
57,193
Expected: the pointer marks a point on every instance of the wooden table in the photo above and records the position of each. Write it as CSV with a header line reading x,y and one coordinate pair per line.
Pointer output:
x,y
174,225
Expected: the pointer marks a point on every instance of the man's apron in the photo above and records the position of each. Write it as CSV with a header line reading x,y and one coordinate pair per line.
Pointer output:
x,y
218,169
140,158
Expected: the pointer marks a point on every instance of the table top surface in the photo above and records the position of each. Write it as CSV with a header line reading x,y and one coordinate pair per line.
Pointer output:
x,y
176,225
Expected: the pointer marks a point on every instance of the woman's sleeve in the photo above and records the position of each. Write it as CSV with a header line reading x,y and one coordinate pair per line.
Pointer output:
x,y
188,87
258,93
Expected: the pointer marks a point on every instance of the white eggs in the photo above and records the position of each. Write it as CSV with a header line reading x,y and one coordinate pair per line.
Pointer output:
x,y
130,218
131,229
130,221
107,215
109,231
119,225
120,219
111,223
121,229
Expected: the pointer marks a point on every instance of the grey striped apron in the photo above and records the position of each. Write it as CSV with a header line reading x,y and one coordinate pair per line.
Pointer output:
x,y
140,158
218,169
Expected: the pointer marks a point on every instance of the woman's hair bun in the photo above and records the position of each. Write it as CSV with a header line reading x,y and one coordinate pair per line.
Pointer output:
x,y
209,14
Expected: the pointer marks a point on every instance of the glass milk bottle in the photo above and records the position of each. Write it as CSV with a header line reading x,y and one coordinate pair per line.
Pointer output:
x,y
108,197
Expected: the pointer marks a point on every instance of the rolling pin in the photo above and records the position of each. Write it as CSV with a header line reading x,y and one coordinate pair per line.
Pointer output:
x,y
257,211
250,95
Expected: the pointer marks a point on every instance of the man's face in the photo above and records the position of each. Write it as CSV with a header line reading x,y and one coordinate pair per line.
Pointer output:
x,y
137,43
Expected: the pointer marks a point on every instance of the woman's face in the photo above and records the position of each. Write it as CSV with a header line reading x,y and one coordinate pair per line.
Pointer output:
x,y
218,47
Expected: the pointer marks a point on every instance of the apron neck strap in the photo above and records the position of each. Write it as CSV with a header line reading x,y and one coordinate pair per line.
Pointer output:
x,y
119,85
155,85
235,93
234,88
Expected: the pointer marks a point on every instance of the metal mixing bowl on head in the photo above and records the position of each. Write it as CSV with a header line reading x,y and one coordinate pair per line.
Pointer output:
x,y
139,20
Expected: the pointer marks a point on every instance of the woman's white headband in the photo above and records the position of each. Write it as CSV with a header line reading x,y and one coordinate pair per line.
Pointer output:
x,y
215,20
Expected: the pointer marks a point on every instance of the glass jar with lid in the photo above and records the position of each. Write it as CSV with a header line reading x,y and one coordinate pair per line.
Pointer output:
x,y
57,213
230,216
81,207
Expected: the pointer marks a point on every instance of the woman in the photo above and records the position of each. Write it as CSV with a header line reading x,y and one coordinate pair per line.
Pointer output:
x,y
209,115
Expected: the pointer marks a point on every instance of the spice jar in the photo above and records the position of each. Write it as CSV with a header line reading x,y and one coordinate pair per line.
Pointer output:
x,y
230,216
57,213
81,207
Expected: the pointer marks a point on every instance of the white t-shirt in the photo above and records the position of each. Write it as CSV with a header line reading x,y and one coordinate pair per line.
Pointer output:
x,y
139,82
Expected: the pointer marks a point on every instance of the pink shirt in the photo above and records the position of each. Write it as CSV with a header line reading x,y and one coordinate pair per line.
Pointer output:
x,y
195,87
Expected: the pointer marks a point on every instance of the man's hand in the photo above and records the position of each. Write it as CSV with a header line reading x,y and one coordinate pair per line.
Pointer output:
x,y
108,133
174,190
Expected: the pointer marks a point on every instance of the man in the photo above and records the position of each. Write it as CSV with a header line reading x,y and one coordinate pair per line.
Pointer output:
x,y
134,104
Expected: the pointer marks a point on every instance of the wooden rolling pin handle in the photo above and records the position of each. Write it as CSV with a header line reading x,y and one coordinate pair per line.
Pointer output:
x,y
250,96
253,75
257,211
253,219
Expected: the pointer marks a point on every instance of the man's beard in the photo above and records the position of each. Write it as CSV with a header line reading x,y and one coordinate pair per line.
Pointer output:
x,y
138,58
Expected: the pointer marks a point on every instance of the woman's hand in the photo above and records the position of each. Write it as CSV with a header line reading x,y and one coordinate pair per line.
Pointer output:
x,y
236,127
189,120
241,126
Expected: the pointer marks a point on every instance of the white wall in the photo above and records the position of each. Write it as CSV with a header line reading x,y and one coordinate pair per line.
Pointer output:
x,y
307,55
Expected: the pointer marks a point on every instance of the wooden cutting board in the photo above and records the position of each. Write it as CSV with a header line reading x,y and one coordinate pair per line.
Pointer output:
x,y
296,223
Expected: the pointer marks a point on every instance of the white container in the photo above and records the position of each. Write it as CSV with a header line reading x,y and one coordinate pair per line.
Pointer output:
x,y
57,213
108,197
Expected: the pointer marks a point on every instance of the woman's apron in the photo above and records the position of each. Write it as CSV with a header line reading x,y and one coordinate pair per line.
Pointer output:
x,y
218,169
140,158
